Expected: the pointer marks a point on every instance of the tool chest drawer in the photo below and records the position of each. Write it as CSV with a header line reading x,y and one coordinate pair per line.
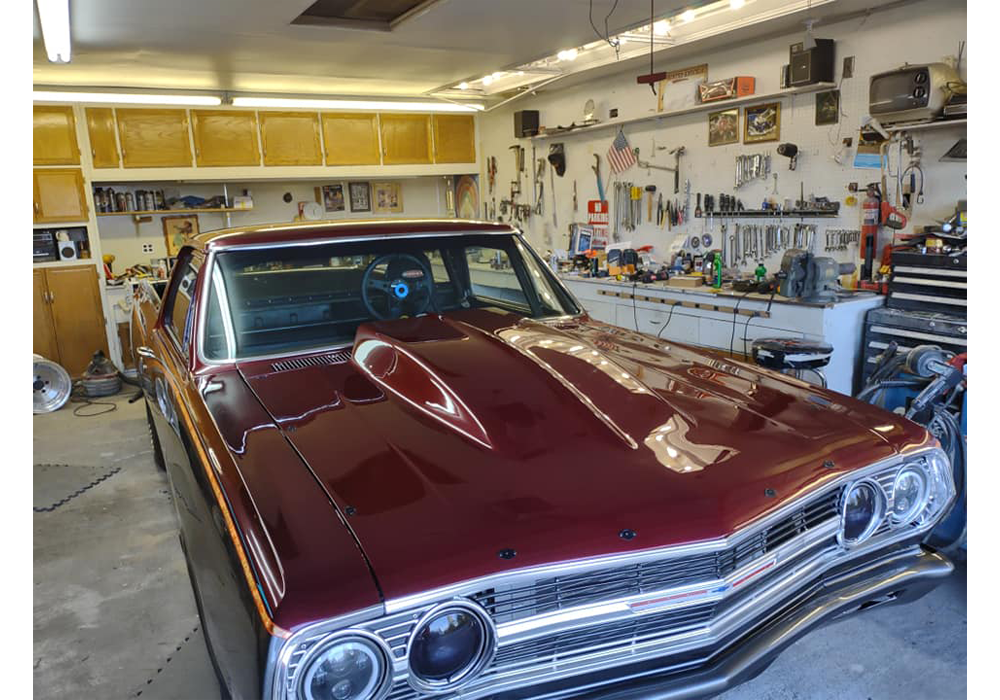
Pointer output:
x,y
931,283
910,329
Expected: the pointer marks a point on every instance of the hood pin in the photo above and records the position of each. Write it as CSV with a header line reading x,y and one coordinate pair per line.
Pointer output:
x,y
627,534
507,554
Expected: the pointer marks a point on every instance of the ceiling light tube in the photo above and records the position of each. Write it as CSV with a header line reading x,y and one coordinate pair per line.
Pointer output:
x,y
124,98
736,4
53,15
384,106
688,15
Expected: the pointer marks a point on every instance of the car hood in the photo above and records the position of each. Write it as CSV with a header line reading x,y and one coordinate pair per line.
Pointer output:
x,y
449,439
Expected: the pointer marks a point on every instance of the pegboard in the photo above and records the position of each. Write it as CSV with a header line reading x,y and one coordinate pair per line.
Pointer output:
x,y
940,26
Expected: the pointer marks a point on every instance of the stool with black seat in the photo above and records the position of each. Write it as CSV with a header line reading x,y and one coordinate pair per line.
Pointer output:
x,y
793,356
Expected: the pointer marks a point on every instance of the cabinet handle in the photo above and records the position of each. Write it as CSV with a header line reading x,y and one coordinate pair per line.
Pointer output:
x,y
36,206
93,152
51,297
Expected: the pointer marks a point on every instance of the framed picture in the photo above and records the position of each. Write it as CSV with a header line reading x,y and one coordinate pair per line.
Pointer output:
x,y
827,107
331,197
176,229
762,123
723,127
361,196
388,197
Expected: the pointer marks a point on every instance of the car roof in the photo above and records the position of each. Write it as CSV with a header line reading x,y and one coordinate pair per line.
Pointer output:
x,y
300,231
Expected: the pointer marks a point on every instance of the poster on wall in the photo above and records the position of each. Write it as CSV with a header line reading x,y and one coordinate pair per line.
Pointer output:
x,y
361,196
176,229
679,88
388,198
724,127
827,107
762,123
331,197
466,197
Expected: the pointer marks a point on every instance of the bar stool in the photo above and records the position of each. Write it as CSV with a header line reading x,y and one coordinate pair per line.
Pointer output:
x,y
793,356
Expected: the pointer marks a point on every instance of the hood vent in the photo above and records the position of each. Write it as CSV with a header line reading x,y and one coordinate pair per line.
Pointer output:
x,y
333,358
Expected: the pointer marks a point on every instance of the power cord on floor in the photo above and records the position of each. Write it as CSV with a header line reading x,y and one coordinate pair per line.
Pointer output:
x,y
669,316
79,396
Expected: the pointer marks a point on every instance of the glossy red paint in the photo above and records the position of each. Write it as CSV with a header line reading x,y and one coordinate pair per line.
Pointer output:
x,y
278,234
453,438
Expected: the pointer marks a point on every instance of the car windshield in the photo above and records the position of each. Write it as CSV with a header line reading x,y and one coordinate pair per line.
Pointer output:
x,y
291,298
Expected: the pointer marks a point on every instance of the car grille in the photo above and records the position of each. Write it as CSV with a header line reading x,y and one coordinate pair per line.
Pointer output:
x,y
547,595
619,636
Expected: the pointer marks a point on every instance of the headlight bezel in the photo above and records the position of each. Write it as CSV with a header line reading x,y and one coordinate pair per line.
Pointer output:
x,y
917,510
483,658
385,682
881,506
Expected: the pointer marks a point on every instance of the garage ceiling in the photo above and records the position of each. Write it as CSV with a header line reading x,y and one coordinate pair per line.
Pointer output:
x,y
257,45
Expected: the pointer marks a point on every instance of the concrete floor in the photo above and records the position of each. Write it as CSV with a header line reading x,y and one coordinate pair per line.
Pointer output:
x,y
114,615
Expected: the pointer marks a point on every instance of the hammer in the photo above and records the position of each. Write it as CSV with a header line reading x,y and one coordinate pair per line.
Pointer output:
x,y
650,189
677,153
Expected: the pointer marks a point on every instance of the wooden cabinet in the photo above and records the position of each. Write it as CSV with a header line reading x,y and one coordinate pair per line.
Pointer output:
x,y
55,136
225,137
103,141
59,195
406,138
154,138
290,138
454,138
69,320
351,139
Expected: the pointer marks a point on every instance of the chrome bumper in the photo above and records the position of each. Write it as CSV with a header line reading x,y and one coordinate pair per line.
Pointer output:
x,y
899,577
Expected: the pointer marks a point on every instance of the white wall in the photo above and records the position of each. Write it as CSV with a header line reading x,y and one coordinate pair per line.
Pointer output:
x,y
422,197
920,32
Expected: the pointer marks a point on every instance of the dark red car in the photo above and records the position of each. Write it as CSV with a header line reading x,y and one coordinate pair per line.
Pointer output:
x,y
406,464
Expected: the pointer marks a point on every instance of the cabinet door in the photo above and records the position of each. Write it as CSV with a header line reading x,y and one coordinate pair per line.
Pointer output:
x,y
44,342
55,136
290,138
454,138
351,139
225,138
103,143
154,138
406,138
77,315
59,195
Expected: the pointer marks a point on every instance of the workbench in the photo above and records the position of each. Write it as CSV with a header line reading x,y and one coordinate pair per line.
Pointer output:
x,y
731,321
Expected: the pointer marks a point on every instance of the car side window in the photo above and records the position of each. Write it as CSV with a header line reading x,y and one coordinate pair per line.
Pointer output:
x,y
179,307
492,275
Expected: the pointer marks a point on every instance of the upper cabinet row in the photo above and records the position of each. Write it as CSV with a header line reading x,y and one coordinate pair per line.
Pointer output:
x,y
160,138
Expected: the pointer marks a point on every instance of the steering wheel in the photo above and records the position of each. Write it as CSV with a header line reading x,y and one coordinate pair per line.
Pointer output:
x,y
405,286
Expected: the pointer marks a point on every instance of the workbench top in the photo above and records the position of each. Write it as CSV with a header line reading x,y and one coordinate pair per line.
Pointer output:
x,y
709,292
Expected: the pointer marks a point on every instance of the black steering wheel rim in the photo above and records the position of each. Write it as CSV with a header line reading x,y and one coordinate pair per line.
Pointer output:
x,y
399,292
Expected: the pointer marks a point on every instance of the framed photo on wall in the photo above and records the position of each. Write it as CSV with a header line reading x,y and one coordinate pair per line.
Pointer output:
x,y
827,107
762,123
388,198
176,229
361,196
331,197
724,127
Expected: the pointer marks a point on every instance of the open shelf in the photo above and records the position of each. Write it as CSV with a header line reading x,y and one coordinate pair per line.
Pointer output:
x,y
921,126
173,211
705,107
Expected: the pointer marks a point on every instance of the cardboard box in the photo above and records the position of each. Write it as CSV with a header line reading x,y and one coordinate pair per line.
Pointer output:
x,y
740,86
686,281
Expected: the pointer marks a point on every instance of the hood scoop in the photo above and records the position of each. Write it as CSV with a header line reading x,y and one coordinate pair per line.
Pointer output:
x,y
401,372
337,357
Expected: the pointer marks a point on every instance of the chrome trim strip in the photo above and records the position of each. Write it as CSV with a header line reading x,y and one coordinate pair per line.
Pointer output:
x,y
930,271
521,576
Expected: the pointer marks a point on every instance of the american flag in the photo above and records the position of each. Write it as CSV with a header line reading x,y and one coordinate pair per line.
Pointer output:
x,y
620,155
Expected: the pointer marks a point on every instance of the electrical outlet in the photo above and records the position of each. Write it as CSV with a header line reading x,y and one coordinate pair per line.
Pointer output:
x,y
147,247
848,67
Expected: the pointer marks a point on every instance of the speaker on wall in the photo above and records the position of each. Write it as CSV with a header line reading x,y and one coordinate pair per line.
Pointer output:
x,y
525,123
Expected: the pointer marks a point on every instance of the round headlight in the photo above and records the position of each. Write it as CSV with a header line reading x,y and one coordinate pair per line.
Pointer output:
x,y
352,665
909,495
451,644
862,510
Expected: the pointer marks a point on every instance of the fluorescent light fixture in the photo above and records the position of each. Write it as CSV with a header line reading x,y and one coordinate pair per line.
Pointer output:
x,y
384,106
661,27
124,98
688,15
53,15
736,4
463,86
487,79
567,55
